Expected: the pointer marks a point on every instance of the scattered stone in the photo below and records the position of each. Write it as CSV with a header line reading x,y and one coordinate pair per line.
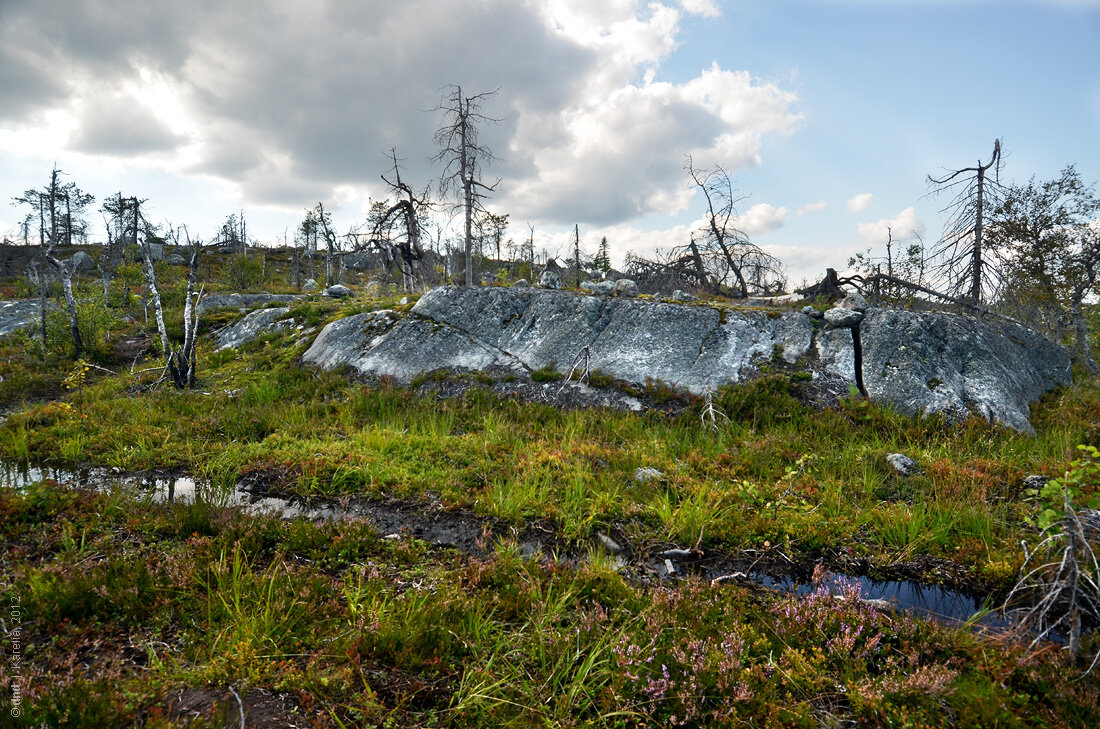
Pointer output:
x,y
812,312
605,288
843,318
175,259
589,286
1036,481
626,287
903,465
309,285
609,544
156,251
522,283
670,569
404,301
549,280
679,295
647,474
680,554
338,291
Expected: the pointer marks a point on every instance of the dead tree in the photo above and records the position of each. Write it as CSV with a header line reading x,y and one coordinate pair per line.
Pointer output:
x,y
731,258
962,265
47,203
405,250
462,155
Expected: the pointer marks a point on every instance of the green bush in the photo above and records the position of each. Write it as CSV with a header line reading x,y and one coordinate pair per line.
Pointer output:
x,y
242,272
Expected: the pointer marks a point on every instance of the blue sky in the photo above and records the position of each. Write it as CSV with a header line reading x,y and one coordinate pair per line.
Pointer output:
x,y
207,108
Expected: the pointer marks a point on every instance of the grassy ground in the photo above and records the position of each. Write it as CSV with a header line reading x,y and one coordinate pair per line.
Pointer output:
x,y
134,613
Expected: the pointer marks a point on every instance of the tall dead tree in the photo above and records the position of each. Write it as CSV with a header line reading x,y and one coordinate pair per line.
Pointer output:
x,y
462,155
962,266
55,205
578,273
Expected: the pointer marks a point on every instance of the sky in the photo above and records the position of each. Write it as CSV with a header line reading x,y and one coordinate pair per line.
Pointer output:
x,y
828,114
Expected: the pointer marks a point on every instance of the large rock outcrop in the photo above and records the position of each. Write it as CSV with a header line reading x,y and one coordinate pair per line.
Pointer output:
x,y
18,314
947,363
916,362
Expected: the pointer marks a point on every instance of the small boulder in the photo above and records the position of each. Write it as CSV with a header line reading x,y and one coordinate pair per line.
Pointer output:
x,y
404,301
156,251
839,318
80,262
609,545
338,291
679,295
549,280
1036,481
853,301
589,286
175,259
626,287
647,474
522,284
902,464
309,285
812,312
605,288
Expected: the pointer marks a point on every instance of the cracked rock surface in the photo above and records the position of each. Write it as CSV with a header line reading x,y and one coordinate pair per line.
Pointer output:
x,y
916,362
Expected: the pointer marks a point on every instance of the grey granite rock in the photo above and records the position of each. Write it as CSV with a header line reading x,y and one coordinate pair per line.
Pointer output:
x,y
252,325
80,262
18,314
243,301
952,364
839,318
915,362
647,474
626,287
605,288
338,291
902,464
549,280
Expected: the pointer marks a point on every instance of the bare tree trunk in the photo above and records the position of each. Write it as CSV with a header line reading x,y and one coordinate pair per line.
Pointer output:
x,y
42,301
577,253
154,294
65,275
181,363
1081,329
700,270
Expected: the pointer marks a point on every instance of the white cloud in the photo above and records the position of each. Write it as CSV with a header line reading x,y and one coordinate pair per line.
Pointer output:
x,y
811,208
761,219
288,103
904,227
860,202
706,8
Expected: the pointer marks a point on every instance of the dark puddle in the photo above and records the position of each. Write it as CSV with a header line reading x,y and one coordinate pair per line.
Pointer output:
x,y
475,534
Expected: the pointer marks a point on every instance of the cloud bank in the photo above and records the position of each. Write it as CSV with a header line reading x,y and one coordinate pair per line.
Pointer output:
x,y
289,102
